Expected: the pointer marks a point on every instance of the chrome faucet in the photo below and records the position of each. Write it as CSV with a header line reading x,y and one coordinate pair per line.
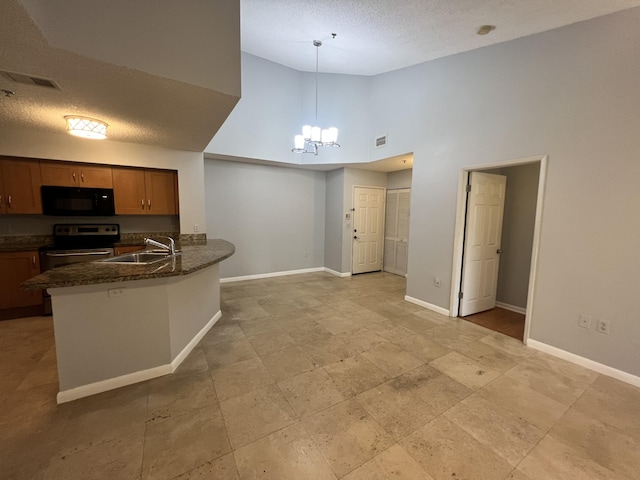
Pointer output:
x,y
170,247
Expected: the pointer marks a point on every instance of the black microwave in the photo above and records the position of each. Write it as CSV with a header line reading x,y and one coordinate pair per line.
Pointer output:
x,y
73,201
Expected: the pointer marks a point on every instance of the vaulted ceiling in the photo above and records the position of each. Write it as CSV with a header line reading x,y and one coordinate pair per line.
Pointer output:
x,y
167,73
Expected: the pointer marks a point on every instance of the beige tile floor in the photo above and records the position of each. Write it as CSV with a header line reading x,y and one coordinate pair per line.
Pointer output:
x,y
316,377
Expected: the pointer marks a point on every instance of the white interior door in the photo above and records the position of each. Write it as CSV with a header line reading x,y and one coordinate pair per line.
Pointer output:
x,y
481,258
368,229
396,231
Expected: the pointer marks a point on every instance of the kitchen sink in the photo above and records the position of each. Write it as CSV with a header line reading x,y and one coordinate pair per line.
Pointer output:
x,y
139,258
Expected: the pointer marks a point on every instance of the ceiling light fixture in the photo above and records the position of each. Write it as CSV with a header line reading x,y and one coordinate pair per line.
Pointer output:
x,y
314,137
86,127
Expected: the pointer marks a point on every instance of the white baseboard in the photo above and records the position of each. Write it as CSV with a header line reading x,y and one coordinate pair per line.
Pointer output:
x,y
336,273
430,306
136,377
512,308
585,362
112,383
270,275
194,341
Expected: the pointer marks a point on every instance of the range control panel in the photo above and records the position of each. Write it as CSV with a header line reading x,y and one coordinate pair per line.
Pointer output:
x,y
76,230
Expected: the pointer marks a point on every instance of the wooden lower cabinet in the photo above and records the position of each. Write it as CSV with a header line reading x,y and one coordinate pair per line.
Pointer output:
x,y
15,268
128,249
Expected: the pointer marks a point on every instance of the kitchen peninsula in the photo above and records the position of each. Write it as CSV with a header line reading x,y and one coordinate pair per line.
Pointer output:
x,y
120,324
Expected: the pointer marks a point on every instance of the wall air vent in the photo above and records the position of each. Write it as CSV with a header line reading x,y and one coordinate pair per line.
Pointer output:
x,y
25,79
381,141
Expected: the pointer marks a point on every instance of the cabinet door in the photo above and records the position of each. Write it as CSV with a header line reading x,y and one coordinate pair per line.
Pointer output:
x,y
3,197
21,180
16,267
127,249
59,174
95,176
128,191
161,192
70,174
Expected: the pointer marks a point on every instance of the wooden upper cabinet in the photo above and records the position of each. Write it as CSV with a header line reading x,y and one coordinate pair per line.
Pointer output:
x,y
128,191
160,186
20,187
145,192
17,267
68,174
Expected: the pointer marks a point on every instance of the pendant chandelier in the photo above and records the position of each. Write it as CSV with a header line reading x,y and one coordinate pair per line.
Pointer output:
x,y
313,136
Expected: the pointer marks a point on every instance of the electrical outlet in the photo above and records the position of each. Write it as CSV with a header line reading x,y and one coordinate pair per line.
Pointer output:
x,y
604,326
584,321
117,292
196,228
436,281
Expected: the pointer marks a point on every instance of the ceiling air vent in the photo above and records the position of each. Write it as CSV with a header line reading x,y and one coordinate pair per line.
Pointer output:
x,y
29,79
381,141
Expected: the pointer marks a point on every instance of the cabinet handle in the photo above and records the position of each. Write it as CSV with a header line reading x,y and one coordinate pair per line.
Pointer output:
x,y
73,174
142,201
33,260
9,200
149,204
82,175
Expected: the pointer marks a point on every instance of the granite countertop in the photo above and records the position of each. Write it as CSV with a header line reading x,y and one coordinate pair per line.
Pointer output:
x,y
24,243
192,259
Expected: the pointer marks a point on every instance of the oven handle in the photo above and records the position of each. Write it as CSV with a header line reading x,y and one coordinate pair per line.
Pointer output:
x,y
78,254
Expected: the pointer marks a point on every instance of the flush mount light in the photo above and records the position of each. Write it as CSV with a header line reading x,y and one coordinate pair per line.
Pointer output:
x,y
484,29
86,127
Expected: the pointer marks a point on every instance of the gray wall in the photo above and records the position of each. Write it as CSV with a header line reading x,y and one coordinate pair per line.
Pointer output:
x,y
335,226
399,179
571,93
517,232
273,215
277,101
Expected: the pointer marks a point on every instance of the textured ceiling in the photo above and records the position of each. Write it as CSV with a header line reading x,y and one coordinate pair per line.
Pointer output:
x,y
161,102
376,36
167,73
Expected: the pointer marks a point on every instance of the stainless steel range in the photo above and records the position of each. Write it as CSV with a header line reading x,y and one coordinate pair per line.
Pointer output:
x,y
75,243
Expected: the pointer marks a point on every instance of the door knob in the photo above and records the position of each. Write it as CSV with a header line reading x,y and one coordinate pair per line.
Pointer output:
x,y
499,251
355,237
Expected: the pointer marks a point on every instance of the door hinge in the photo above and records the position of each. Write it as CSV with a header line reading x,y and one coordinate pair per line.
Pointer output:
x,y
460,296
468,188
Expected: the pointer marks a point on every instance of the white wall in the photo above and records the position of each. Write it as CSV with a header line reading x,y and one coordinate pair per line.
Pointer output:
x,y
276,101
190,165
572,93
273,215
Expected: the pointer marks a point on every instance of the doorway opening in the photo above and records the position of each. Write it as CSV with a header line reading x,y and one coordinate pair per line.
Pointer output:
x,y
514,282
